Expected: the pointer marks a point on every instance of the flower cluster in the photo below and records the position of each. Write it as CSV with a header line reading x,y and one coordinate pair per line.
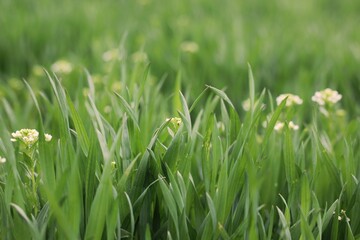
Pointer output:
x,y
280,125
28,136
291,99
325,99
2,160
343,216
326,96
175,121
111,55
189,47
62,66
139,57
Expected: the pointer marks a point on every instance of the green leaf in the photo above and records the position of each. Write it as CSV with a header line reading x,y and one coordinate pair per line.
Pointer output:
x,y
212,210
284,223
289,159
128,110
170,203
79,126
251,89
222,95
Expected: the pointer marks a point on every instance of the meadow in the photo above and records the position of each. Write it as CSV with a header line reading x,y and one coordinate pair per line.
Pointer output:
x,y
156,119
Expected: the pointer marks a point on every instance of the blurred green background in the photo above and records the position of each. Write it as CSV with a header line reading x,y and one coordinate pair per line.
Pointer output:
x,y
292,46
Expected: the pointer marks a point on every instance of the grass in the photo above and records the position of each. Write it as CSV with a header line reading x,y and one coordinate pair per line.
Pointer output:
x,y
165,150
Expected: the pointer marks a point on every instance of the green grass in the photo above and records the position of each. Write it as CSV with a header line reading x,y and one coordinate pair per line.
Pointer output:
x,y
159,147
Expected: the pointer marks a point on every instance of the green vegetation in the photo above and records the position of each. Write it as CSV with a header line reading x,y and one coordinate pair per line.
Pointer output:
x,y
151,124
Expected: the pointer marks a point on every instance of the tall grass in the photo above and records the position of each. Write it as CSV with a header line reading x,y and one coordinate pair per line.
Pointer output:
x,y
151,136
118,168
290,46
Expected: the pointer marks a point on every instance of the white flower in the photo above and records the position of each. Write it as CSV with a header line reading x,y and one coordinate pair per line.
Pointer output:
x,y
116,86
2,160
246,104
107,109
139,57
326,96
61,66
293,126
189,47
110,55
48,137
28,136
279,126
291,99
37,71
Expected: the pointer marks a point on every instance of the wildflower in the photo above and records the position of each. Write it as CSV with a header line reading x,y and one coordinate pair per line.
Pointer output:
x,y
62,66
113,164
28,136
111,55
339,218
139,57
37,71
15,84
116,86
326,96
189,47
279,126
107,109
340,112
2,160
291,99
85,91
175,121
220,126
246,104
48,137
293,126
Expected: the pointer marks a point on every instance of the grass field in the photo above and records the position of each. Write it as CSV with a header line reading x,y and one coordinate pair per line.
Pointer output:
x,y
156,119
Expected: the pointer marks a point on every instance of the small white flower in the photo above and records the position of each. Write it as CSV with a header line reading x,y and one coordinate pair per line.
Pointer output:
x,y
62,66
339,218
326,96
139,57
28,136
107,109
37,71
291,99
293,126
116,86
111,55
246,104
189,47
2,160
48,137
279,126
